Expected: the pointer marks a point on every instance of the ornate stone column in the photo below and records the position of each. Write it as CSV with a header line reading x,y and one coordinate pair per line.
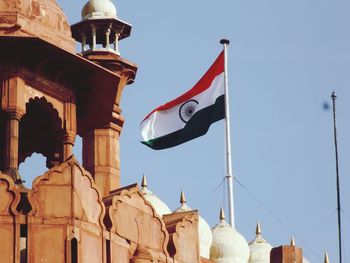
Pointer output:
x,y
68,144
11,142
101,158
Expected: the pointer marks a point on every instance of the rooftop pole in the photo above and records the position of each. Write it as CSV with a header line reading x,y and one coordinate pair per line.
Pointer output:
x,y
334,96
229,176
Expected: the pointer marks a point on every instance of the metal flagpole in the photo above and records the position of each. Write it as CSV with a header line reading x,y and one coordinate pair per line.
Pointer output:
x,y
229,176
334,96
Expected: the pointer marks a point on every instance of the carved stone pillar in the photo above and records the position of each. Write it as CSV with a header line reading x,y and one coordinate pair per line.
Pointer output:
x,y
101,158
11,136
68,144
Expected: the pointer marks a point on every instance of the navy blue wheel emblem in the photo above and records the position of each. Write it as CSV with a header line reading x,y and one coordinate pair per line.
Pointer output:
x,y
187,110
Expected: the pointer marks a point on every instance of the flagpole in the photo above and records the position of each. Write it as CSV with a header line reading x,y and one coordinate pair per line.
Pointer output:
x,y
229,176
334,96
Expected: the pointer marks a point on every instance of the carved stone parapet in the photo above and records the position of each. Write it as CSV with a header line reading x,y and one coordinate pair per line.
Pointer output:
x,y
183,236
131,217
142,255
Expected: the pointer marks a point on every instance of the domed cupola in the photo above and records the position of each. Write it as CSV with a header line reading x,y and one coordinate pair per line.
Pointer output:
x,y
99,9
228,246
205,235
259,248
100,30
158,205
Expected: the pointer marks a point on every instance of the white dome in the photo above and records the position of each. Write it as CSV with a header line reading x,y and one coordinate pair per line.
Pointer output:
x,y
99,9
228,246
259,248
205,234
158,205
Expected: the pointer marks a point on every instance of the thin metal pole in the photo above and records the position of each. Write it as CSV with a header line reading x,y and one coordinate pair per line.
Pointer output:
x,y
229,176
334,96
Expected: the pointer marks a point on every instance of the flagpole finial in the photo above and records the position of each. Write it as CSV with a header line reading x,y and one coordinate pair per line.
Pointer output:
x,y
292,241
222,214
144,181
182,198
258,228
334,96
224,41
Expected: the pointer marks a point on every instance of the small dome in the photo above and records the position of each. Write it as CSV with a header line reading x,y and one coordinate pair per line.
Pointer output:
x,y
205,234
228,246
158,205
259,248
99,9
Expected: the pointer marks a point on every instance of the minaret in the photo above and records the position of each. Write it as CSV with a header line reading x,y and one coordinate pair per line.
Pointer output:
x,y
99,33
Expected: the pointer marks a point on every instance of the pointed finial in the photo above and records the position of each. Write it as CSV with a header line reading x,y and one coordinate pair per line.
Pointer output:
x,y
292,241
326,259
144,181
222,214
258,228
182,198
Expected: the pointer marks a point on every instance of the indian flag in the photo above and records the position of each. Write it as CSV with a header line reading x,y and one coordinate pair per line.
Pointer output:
x,y
190,115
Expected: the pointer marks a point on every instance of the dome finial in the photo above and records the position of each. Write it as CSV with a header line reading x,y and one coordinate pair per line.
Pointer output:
x,y
182,198
292,241
222,214
258,228
326,259
144,181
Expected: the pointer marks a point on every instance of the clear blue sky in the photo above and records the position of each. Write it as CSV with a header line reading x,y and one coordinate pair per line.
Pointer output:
x,y
285,58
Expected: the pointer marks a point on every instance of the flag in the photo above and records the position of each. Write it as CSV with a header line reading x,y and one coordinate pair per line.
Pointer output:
x,y
190,115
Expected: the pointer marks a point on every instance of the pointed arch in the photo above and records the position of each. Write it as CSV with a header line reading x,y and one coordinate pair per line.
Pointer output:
x,y
40,131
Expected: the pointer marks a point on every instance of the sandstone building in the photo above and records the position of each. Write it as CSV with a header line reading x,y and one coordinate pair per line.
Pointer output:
x,y
80,212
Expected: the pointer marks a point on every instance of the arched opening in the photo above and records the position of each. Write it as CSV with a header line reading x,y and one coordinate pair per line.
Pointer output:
x,y
40,132
31,168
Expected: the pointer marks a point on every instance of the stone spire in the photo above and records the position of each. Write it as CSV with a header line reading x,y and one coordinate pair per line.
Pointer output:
x,y
326,259
144,182
222,215
292,241
183,198
258,229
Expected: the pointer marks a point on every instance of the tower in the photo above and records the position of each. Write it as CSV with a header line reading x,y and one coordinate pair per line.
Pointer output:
x,y
99,33
49,94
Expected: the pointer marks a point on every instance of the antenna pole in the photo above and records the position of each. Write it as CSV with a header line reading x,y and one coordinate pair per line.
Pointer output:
x,y
334,96
229,176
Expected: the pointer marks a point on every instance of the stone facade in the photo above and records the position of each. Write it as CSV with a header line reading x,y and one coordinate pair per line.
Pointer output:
x,y
73,213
